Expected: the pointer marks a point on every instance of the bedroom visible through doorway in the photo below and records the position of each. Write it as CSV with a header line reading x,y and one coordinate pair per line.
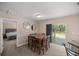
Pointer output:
x,y
9,35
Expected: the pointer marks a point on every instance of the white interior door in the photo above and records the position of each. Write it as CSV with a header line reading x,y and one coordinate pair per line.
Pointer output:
x,y
1,36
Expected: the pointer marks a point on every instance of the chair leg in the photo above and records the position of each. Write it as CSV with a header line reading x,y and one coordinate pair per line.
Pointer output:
x,y
39,51
48,45
43,51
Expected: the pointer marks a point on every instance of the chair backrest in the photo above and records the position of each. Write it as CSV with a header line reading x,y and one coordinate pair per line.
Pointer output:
x,y
70,52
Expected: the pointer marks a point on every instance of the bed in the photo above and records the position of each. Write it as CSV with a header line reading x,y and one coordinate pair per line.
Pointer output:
x,y
10,34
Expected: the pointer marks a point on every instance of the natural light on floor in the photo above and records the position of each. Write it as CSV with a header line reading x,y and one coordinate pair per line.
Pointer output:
x,y
61,35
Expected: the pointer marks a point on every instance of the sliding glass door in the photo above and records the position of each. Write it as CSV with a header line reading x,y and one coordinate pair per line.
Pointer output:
x,y
56,33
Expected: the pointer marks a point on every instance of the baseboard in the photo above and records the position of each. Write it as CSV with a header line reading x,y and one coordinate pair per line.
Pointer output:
x,y
21,44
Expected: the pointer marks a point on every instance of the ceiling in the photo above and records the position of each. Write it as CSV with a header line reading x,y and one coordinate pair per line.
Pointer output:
x,y
45,9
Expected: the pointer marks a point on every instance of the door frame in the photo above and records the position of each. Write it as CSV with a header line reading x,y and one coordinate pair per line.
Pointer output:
x,y
1,37
9,20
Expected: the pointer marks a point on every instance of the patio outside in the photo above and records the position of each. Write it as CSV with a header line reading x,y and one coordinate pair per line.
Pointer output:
x,y
58,35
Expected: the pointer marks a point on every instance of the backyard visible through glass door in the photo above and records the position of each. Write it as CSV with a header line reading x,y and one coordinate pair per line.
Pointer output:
x,y
58,34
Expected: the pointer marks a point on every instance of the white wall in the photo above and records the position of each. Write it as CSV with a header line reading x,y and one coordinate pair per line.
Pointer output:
x,y
23,33
71,22
1,37
8,25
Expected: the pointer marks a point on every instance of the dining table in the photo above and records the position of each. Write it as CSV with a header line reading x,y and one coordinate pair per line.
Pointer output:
x,y
38,41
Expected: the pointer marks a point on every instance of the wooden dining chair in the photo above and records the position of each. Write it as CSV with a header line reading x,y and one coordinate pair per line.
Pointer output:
x,y
42,45
30,42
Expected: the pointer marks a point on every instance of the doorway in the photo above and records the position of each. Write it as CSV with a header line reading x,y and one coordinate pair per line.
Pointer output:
x,y
9,36
56,33
59,34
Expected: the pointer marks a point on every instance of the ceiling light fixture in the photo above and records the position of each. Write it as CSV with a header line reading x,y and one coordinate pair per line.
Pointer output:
x,y
38,15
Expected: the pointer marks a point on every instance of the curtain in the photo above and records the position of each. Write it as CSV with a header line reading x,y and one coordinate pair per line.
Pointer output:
x,y
49,31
